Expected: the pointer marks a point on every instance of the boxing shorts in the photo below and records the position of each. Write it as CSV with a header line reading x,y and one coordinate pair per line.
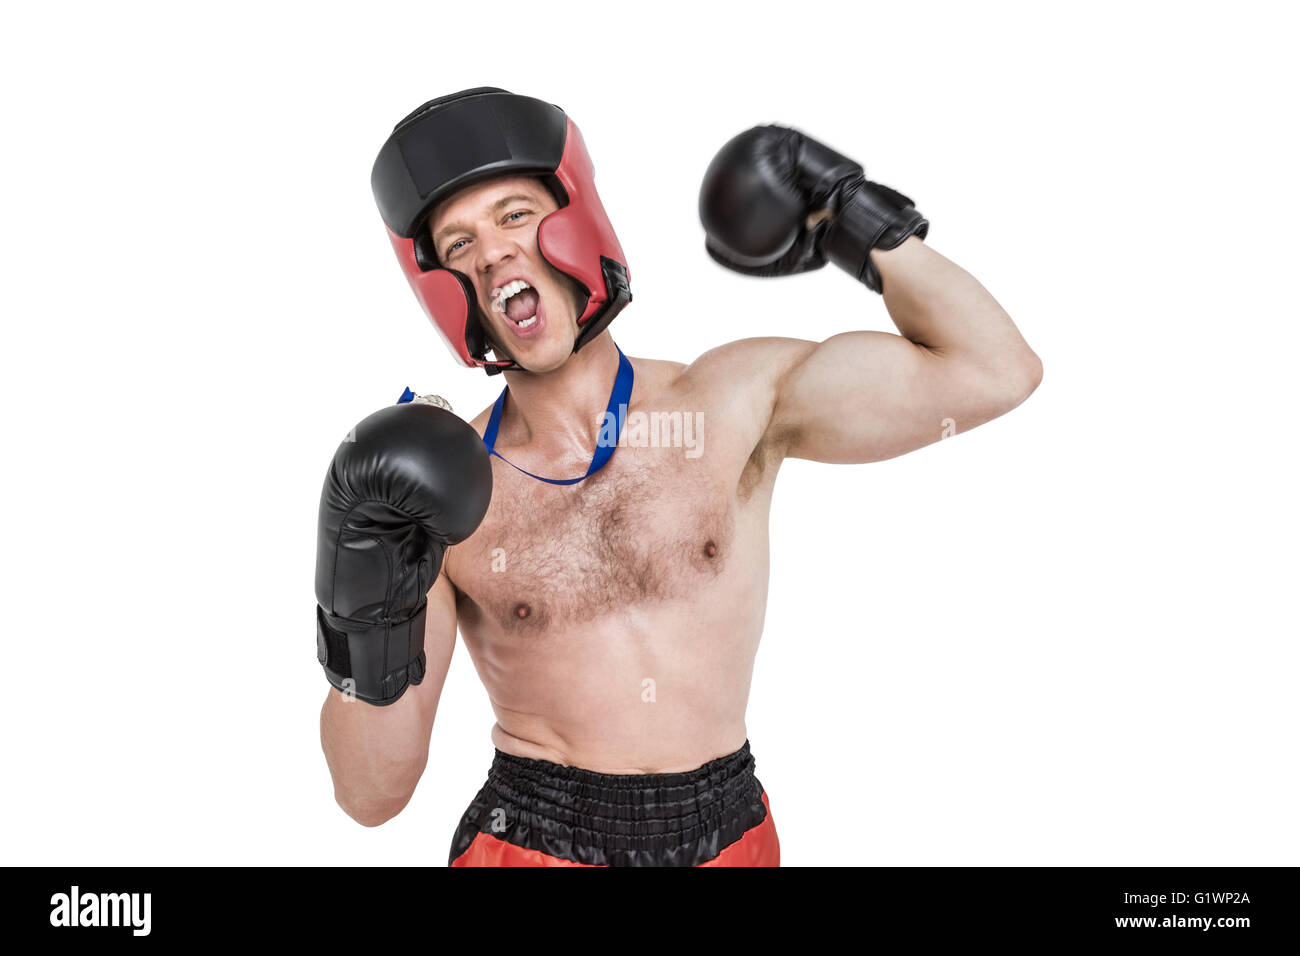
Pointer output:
x,y
535,813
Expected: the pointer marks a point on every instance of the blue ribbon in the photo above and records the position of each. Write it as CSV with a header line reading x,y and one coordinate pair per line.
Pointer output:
x,y
618,402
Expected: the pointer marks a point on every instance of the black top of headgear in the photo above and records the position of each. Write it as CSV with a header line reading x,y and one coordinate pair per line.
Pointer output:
x,y
457,140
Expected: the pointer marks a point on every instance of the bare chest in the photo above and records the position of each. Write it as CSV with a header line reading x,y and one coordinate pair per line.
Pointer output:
x,y
651,527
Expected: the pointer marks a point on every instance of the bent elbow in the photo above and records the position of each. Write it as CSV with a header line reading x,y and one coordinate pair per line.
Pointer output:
x,y
999,391
373,818
1034,372
1031,375
372,813
1016,382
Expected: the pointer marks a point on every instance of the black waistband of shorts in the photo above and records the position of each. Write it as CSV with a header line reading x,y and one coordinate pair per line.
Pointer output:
x,y
631,818
672,799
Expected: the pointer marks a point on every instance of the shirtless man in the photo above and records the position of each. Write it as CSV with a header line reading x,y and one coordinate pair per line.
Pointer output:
x,y
614,620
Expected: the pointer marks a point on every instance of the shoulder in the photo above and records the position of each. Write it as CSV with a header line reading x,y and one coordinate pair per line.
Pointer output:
x,y
766,358
746,373
734,385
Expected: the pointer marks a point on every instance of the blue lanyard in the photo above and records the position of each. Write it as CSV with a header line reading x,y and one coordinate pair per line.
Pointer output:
x,y
605,443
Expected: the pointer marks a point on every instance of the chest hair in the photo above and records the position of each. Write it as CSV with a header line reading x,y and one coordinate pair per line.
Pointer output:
x,y
647,531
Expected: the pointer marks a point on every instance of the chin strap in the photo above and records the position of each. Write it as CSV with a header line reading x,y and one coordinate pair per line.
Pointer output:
x,y
606,440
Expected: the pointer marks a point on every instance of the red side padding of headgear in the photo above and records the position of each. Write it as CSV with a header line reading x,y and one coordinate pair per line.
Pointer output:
x,y
574,238
443,298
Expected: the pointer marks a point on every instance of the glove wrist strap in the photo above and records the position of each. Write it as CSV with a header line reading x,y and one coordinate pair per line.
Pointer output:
x,y
872,217
374,662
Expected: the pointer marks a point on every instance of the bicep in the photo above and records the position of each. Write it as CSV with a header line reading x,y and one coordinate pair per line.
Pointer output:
x,y
867,396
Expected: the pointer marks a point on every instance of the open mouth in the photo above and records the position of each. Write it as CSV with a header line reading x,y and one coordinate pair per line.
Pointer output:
x,y
518,302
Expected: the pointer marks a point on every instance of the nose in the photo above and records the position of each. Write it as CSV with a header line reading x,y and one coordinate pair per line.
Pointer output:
x,y
495,248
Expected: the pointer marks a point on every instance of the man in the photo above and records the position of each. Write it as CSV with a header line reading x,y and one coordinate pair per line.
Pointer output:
x,y
613,608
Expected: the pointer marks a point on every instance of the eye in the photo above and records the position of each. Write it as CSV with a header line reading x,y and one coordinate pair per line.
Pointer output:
x,y
519,212
453,247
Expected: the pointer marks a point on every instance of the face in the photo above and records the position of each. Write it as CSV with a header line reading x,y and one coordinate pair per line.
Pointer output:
x,y
488,232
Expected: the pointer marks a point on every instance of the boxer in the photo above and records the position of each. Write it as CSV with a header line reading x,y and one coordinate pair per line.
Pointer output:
x,y
609,576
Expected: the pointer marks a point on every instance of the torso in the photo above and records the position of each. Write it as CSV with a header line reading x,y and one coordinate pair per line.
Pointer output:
x,y
615,622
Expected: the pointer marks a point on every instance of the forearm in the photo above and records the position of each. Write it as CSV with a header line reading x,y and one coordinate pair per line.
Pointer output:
x,y
939,305
375,754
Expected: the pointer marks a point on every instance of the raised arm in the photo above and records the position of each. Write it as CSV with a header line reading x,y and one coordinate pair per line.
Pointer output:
x,y
776,202
865,396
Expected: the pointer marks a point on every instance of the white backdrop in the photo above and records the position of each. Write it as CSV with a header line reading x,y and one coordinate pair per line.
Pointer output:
x,y
1068,637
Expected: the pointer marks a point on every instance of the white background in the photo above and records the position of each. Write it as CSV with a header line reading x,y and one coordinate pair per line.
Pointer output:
x,y
1068,637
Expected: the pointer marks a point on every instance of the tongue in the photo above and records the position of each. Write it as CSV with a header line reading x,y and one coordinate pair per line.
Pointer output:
x,y
522,305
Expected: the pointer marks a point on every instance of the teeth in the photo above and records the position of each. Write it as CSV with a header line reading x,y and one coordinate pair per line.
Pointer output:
x,y
500,296
526,322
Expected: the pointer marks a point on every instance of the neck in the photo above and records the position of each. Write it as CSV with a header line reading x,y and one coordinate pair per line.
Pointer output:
x,y
560,411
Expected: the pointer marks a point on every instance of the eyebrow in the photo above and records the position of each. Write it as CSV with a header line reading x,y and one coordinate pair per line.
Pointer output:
x,y
496,206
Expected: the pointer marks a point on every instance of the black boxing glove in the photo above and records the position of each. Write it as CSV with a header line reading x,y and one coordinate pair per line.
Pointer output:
x,y
775,202
412,480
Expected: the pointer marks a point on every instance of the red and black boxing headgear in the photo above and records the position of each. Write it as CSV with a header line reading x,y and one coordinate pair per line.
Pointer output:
x,y
463,139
